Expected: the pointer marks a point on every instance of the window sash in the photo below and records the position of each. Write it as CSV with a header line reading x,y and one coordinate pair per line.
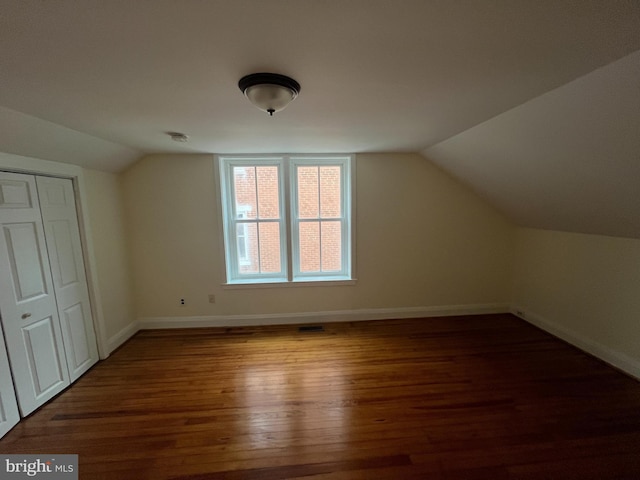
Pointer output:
x,y
343,219
233,218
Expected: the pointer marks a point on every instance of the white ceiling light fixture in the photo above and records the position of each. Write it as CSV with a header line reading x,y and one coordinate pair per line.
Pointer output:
x,y
270,92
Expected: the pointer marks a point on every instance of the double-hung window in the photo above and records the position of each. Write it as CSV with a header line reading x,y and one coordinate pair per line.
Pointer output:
x,y
287,218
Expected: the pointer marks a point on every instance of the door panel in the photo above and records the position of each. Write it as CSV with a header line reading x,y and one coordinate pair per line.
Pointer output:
x,y
44,355
9,415
67,272
74,322
29,312
57,202
24,257
14,193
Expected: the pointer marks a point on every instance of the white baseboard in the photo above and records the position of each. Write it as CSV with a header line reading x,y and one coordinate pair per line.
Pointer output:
x,y
122,336
619,360
315,317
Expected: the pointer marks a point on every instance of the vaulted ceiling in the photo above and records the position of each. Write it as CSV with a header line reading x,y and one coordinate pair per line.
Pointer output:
x,y
534,104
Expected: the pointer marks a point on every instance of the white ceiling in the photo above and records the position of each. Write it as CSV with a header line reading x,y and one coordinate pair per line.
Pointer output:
x,y
97,83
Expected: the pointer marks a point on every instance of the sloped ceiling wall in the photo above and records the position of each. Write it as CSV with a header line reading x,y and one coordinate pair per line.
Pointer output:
x,y
567,160
29,136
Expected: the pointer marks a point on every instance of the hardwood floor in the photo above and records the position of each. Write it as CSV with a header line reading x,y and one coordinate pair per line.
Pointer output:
x,y
484,397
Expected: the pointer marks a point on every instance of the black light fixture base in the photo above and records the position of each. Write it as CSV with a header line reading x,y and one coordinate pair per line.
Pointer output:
x,y
268,78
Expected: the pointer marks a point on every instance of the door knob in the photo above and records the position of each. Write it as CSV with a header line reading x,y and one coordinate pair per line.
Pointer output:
x,y
25,315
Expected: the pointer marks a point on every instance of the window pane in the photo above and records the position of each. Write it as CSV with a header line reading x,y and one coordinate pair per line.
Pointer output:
x,y
307,192
242,243
268,192
244,179
331,246
330,192
247,233
309,247
270,247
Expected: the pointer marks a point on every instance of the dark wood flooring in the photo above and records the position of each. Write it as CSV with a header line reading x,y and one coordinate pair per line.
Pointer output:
x,y
483,397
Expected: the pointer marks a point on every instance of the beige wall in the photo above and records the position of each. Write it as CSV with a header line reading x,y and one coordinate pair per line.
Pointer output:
x,y
111,253
584,288
422,240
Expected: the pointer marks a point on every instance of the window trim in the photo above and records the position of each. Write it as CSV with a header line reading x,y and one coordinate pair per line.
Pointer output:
x,y
288,195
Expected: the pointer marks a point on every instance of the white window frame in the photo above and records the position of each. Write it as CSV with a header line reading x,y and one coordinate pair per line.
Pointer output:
x,y
231,220
344,162
289,224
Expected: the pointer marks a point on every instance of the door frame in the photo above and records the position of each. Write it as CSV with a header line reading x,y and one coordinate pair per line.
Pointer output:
x,y
36,166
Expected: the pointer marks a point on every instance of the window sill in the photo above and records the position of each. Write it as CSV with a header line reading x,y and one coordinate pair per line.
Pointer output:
x,y
297,283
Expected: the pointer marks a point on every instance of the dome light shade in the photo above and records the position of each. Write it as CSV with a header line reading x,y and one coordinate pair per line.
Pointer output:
x,y
269,92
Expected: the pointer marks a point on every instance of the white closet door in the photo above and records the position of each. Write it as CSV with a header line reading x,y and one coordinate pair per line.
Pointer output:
x,y
57,203
29,312
9,415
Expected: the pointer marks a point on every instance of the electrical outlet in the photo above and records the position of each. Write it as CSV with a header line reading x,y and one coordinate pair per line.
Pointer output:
x,y
212,298
183,302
